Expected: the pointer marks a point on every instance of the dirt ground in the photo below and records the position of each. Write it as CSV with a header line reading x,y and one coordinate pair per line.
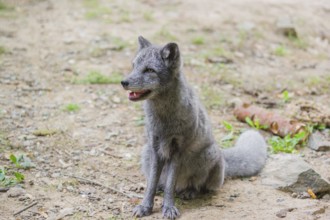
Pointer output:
x,y
47,44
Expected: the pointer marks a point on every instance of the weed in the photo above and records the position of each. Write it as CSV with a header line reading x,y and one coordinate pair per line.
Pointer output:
x,y
125,17
281,51
166,34
118,43
227,141
255,123
95,77
212,98
13,179
198,41
148,16
285,96
72,107
21,161
288,144
2,50
298,42
140,121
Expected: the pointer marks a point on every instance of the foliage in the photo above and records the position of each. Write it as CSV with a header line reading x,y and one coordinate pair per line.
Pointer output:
x,y
227,141
255,123
72,107
288,144
11,176
280,51
198,41
95,77
22,161
285,95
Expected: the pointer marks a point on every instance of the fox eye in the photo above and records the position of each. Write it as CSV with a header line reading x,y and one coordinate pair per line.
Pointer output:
x,y
149,70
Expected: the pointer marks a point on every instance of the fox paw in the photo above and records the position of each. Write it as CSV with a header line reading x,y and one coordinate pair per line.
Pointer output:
x,y
170,212
140,211
188,194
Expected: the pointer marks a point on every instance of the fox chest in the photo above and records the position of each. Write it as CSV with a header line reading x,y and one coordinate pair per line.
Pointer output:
x,y
168,136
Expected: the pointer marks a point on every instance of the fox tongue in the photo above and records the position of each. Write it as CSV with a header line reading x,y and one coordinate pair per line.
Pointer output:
x,y
135,95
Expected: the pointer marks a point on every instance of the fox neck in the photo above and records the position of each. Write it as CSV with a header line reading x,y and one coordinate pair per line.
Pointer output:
x,y
169,98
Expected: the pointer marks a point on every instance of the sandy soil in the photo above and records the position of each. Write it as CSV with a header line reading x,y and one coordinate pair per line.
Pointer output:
x,y
48,43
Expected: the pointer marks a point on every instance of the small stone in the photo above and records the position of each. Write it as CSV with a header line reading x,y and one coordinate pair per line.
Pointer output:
x,y
15,192
286,27
116,99
294,195
283,212
319,211
318,141
326,197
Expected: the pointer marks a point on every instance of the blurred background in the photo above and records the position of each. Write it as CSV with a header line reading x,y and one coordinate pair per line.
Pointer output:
x,y
62,106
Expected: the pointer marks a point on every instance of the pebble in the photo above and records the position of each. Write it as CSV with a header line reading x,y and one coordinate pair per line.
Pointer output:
x,y
15,192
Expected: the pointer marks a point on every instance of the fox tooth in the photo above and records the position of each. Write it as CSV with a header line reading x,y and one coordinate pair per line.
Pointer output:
x,y
134,94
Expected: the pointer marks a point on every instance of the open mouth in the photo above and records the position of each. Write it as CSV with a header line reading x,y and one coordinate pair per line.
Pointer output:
x,y
138,95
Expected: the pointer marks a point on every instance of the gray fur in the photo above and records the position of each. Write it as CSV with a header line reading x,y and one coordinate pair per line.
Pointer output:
x,y
181,155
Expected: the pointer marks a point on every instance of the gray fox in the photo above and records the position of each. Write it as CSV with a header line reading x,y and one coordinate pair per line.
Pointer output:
x,y
181,156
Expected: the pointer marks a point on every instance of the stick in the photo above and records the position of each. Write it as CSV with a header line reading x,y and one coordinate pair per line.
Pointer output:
x,y
108,187
26,208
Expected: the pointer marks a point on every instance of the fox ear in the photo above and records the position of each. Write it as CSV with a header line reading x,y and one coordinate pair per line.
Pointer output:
x,y
170,53
143,43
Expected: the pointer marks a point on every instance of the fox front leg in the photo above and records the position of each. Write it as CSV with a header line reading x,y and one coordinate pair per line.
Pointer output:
x,y
156,166
169,210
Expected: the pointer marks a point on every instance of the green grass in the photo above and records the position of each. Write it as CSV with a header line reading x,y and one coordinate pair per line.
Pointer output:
x,y
211,97
118,43
281,51
96,77
71,107
2,50
286,96
95,10
165,34
288,144
148,16
198,40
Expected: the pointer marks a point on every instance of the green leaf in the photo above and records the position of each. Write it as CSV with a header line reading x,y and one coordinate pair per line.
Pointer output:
x,y
250,122
19,177
228,126
13,159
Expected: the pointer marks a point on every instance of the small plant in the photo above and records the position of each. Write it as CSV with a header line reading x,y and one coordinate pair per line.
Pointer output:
x,y
148,16
72,107
2,50
255,123
285,96
280,51
95,77
227,141
21,161
198,41
6,181
287,144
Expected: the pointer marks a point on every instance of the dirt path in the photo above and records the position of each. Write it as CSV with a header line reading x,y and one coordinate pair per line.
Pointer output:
x,y
49,48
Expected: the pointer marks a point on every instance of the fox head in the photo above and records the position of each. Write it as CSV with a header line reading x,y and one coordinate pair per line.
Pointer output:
x,y
154,69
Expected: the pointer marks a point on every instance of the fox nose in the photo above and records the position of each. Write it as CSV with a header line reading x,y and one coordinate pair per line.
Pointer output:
x,y
124,83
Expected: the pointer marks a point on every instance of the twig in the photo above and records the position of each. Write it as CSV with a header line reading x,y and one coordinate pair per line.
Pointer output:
x,y
108,187
26,208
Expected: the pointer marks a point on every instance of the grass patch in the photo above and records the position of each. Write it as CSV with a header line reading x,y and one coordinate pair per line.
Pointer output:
x,y
288,144
2,50
165,34
72,107
212,98
148,16
96,10
281,51
118,43
198,41
95,77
